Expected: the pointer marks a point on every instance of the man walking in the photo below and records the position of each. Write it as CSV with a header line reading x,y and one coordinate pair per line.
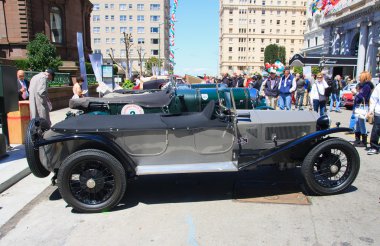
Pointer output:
x,y
271,89
300,83
286,87
40,105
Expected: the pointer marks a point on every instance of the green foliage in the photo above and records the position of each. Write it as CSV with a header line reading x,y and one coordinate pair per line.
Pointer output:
x,y
315,70
21,64
128,84
115,69
274,52
298,70
89,69
42,54
153,61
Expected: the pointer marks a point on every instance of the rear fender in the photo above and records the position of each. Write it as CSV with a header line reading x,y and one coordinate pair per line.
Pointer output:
x,y
99,142
292,151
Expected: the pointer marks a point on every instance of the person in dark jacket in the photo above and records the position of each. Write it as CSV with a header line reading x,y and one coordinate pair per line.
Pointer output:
x,y
23,86
271,90
225,79
362,101
336,87
300,90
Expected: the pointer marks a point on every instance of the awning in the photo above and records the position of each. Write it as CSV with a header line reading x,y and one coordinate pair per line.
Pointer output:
x,y
329,60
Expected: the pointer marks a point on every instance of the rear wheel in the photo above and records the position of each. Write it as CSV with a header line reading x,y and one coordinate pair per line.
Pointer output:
x,y
91,181
34,132
331,167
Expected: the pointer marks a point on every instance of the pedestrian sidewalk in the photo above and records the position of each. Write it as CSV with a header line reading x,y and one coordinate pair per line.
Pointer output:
x,y
14,167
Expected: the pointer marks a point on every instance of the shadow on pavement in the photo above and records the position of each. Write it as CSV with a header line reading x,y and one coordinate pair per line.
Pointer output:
x,y
183,188
17,153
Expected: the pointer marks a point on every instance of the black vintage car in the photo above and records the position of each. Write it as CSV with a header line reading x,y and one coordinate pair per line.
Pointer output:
x,y
93,156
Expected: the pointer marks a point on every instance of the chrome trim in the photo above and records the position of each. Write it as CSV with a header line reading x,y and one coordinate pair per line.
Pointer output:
x,y
188,168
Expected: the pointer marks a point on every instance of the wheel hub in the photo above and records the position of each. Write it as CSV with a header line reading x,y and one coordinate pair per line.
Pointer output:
x,y
334,169
91,183
331,164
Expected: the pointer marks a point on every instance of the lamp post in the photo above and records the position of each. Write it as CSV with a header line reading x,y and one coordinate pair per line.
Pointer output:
x,y
322,63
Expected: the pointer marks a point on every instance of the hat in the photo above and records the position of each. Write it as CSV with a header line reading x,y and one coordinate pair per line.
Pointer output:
x,y
51,72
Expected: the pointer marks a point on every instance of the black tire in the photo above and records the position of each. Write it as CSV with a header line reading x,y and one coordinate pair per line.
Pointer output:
x,y
323,163
106,174
34,131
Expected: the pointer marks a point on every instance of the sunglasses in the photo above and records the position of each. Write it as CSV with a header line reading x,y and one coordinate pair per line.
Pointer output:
x,y
319,77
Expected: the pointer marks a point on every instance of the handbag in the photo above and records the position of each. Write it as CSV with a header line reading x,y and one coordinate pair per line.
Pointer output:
x,y
361,112
321,98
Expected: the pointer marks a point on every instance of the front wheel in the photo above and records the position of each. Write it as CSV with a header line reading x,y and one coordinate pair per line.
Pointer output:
x,y
91,181
331,167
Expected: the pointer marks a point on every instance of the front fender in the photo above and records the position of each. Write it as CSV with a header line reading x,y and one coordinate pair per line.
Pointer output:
x,y
296,149
107,144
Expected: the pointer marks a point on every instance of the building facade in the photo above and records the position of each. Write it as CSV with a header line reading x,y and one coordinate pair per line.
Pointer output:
x,y
313,43
60,20
248,26
354,29
147,21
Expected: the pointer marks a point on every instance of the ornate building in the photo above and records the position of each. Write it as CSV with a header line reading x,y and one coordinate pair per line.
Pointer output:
x,y
352,28
60,20
248,26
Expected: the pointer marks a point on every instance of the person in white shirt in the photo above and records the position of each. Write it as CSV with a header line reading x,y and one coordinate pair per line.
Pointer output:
x,y
317,95
374,110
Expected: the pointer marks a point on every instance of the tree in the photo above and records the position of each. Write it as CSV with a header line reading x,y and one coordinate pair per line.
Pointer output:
x,y
274,52
151,62
42,54
141,54
127,40
298,70
315,70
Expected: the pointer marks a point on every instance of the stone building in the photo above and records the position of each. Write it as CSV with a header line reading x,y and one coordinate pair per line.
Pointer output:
x,y
248,26
146,20
60,20
351,28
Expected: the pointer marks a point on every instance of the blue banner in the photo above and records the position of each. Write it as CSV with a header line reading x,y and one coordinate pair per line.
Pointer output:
x,y
96,63
82,61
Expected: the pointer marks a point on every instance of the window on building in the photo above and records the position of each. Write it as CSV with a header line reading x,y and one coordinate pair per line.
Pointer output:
x,y
108,40
154,41
97,40
140,29
123,29
140,6
231,12
293,22
96,7
96,18
292,41
261,59
230,21
112,17
230,58
123,53
155,7
230,49
56,25
277,41
130,6
107,29
263,12
154,52
308,43
131,18
140,18
263,3
262,50
154,30
278,12
112,6
107,51
230,30
123,18
293,31
130,29
106,5
122,6
141,41
262,31
262,21
97,51
122,40
154,18
113,29
106,17
316,41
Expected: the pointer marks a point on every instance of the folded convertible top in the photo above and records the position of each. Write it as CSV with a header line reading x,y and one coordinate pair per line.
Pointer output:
x,y
151,100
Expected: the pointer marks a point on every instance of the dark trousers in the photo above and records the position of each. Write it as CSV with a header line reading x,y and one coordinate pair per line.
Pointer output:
x,y
319,106
299,99
375,133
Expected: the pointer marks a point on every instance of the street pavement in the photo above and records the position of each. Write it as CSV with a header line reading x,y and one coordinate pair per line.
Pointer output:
x,y
198,210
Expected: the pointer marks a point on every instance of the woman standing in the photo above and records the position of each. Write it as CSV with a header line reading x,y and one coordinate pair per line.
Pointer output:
x,y
362,100
77,88
317,95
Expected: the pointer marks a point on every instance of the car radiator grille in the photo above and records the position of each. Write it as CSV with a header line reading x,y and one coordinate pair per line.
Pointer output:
x,y
286,132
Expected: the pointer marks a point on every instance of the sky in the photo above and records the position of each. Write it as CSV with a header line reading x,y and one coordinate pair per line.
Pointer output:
x,y
196,37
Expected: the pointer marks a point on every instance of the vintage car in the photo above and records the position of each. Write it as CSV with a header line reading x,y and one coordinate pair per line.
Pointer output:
x,y
346,96
93,156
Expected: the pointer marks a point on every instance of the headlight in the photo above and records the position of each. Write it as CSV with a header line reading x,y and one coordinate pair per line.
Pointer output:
x,y
323,122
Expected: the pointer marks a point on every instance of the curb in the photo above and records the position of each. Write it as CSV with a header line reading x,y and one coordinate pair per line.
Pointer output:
x,y
14,179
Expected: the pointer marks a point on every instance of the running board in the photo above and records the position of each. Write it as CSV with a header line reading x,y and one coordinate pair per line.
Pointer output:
x,y
187,168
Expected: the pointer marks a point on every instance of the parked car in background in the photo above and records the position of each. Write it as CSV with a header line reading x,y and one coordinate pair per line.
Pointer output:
x,y
346,96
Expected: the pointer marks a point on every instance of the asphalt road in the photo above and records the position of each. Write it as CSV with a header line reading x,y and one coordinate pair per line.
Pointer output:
x,y
201,210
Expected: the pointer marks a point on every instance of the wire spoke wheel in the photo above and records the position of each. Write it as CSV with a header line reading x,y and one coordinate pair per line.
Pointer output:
x,y
331,167
91,180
